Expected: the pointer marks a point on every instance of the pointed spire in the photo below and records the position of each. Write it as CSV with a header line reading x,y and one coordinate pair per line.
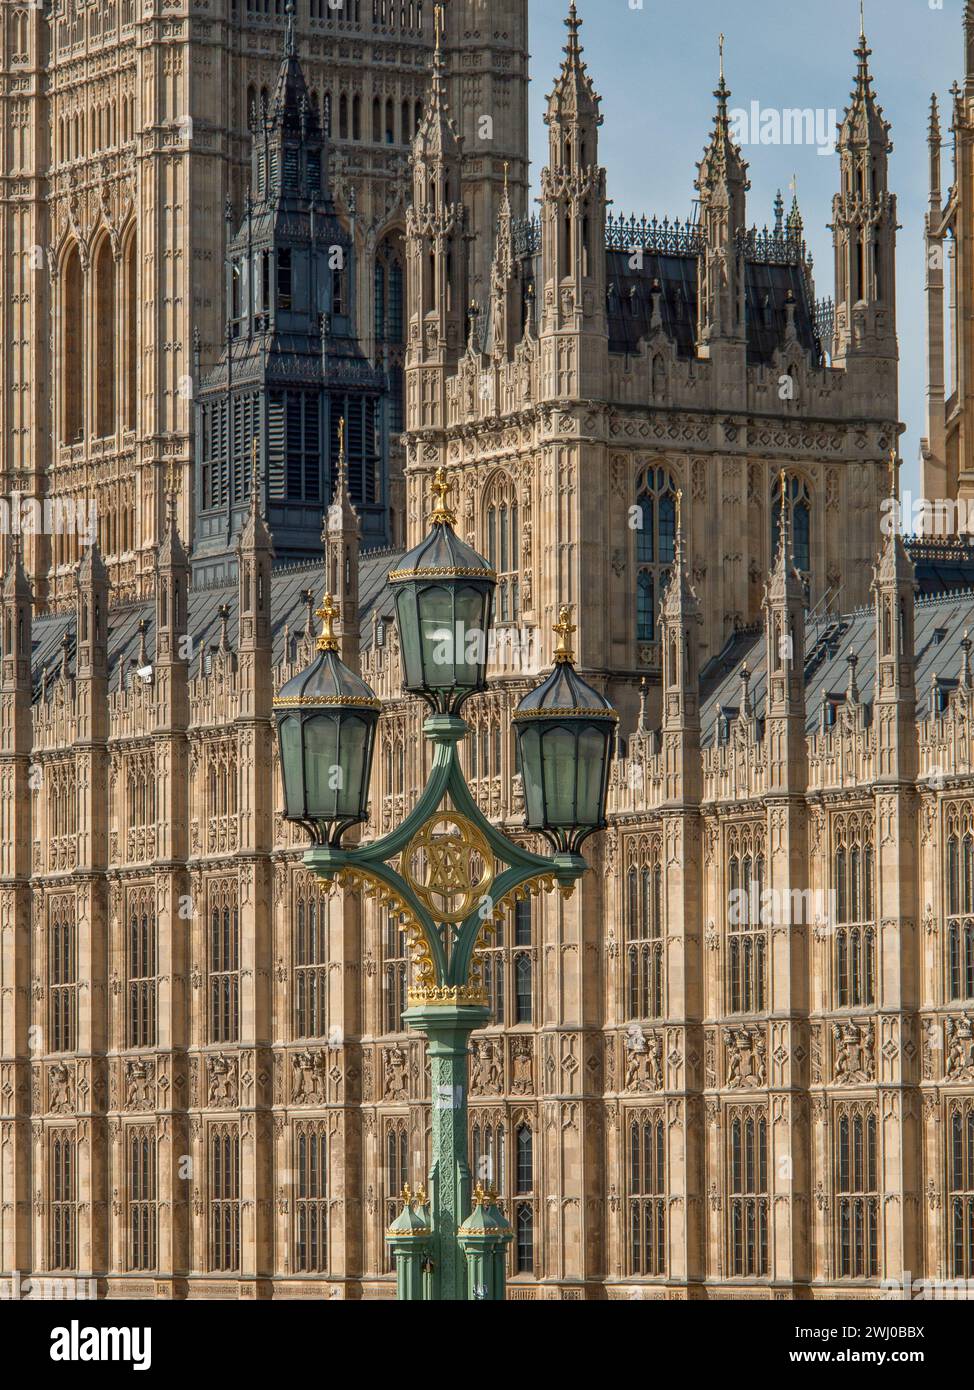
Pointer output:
x,y
852,689
342,514
779,214
642,726
289,30
863,122
16,582
255,534
722,159
934,143
573,99
437,134
679,598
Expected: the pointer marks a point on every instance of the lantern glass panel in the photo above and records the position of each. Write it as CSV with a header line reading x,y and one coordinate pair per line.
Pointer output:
x,y
410,642
591,757
292,765
335,757
529,746
558,751
322,772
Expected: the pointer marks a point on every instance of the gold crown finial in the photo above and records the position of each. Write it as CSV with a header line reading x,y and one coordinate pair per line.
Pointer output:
x,y
484,1196
438,26
679,513
328,612
721,46
565,628
441,514
893,475
341,439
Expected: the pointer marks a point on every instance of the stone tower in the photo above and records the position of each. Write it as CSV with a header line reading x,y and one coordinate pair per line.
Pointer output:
x,y
126,132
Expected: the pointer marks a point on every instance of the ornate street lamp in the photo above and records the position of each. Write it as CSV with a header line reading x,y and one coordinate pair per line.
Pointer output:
x,y
444,596
326,718
564,736
446,872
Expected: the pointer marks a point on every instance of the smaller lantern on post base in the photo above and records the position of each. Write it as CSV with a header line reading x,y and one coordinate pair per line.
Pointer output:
x,y
565,731
326,720
444,596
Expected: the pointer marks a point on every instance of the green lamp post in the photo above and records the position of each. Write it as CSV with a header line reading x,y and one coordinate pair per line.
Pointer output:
x,y
446,872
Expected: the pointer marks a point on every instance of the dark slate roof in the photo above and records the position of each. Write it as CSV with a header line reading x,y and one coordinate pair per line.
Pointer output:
x,y
942,563
288,608
940,625
630,304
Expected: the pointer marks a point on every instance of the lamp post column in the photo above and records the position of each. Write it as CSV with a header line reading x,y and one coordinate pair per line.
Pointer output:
x,y
447,1030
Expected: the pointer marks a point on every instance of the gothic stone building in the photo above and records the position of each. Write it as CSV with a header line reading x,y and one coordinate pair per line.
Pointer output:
x,y
739,1061
125,136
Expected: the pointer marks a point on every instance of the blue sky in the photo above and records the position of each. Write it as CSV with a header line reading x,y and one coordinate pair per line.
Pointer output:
x,y
656,67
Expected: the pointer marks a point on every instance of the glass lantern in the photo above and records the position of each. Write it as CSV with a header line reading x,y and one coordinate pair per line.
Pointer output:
x,y
326,721
444,593
565,732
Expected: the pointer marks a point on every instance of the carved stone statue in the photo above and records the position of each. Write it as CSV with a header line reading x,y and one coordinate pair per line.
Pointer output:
x,y
397,1081
855,1058
747,1067
959,1065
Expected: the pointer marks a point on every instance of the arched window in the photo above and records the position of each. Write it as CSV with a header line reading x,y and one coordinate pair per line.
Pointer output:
x,y
960,1176
141,970
376,121
855,930
343,117
960,901
63,976
224,1204
311,1198
655,532
310,960
64,1196
131,357
395,974
645,935
488,1152
749,1195
646,1187
800,517
142,1195
105,339
397,1171
747,936
524,1187
72,349
857,1194
503,542
224,963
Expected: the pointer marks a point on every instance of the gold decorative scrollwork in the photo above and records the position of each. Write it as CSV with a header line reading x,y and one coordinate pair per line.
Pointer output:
x,y
356,880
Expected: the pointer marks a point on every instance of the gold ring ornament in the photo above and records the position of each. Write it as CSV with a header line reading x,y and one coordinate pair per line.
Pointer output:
x,y
449,866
